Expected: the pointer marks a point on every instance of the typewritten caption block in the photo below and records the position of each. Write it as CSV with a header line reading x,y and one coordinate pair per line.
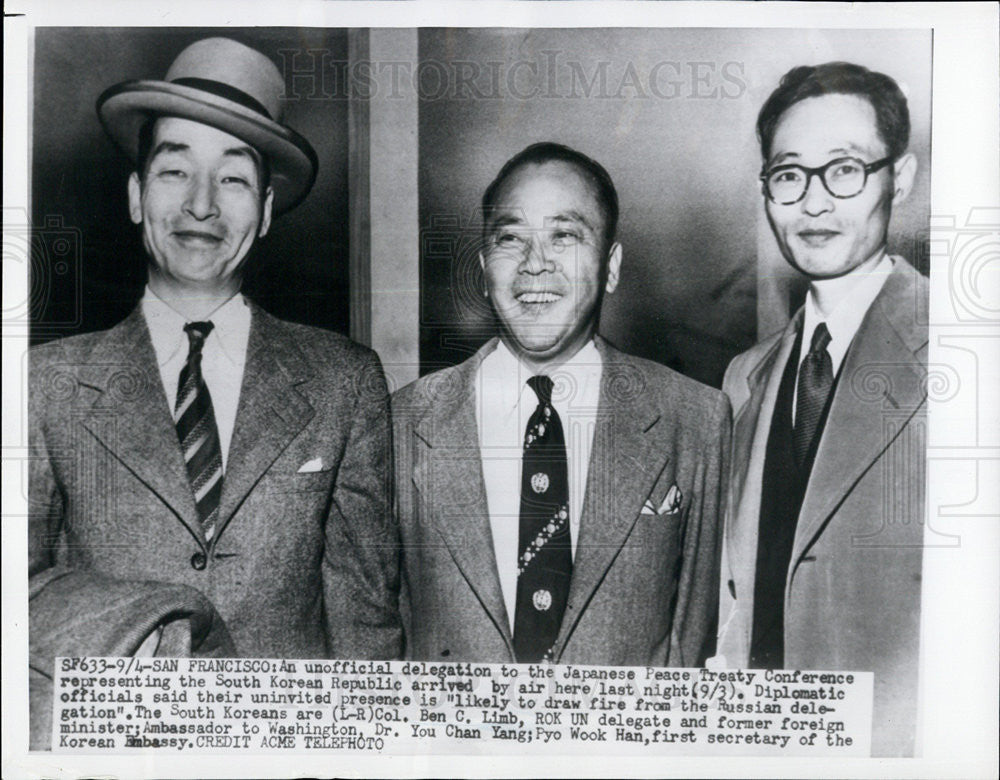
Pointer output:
x,y
121,705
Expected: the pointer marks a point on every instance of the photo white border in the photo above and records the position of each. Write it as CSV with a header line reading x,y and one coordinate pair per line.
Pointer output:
x,y
959,665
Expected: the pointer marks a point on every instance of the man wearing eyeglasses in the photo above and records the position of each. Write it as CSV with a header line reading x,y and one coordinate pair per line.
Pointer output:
x,y
822,551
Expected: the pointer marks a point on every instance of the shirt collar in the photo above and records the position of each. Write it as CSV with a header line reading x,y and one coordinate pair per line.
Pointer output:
x,y
504,372
230,332
845,319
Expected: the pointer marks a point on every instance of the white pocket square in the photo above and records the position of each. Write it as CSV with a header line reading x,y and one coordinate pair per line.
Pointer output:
x,y
671,503
316,464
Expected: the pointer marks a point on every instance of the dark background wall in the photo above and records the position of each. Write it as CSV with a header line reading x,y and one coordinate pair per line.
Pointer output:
x,y
88,266
670,113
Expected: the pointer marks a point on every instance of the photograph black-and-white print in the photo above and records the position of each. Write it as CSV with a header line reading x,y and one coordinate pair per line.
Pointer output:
x,y
514,387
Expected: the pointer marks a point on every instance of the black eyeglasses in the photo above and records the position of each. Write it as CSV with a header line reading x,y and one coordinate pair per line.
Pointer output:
x,y
844,177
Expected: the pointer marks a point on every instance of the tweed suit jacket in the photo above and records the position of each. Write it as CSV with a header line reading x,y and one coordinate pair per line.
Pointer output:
x,y
303,563
852,594
641,590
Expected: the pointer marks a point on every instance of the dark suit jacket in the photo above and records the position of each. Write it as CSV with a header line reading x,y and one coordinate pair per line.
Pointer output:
x,y
852,596
642,590
302,565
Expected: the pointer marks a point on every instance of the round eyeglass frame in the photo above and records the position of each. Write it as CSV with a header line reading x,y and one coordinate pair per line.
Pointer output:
x,y
867,168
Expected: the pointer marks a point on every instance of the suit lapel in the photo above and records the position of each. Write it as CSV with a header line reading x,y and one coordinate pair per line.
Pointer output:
x,y
750,433
628,456
271,410
881,381
131,416
448,474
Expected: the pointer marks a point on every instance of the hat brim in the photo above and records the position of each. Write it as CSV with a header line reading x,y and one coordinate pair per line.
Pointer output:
x,y
125,107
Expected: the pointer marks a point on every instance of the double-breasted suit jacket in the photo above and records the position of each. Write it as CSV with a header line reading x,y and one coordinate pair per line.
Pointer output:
x,y
641,590
304,562
852,593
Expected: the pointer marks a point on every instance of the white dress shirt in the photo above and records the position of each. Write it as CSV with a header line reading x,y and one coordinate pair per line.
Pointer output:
x,y
845,319
223,356
504,403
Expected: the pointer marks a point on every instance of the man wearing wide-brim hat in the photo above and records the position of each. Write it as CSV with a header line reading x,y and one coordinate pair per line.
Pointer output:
x,y
239,461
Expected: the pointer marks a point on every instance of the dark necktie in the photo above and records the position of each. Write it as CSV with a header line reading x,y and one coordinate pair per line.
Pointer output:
x,y
197,431
815,380
545,564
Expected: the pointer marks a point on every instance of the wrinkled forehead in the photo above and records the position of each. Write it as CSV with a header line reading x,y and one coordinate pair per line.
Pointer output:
x,y
541,192
825,125
199,141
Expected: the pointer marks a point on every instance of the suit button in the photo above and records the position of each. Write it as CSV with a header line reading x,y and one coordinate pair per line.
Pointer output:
x,y
199,561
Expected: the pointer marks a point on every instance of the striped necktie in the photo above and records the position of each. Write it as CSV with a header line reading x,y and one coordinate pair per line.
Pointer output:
x,y
197,431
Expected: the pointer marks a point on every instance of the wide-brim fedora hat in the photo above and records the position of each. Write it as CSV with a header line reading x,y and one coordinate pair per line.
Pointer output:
x,y
224,84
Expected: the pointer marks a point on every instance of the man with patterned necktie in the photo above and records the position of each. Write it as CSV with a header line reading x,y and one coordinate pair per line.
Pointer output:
x,y
202,452
558,500
822,554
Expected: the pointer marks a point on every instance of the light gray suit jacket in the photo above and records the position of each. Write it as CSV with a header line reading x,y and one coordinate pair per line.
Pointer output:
x,y
852,595
642,589
304,564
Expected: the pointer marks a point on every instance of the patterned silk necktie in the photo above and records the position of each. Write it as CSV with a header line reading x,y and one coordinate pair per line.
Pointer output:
x,y
197,431
815,381
545,564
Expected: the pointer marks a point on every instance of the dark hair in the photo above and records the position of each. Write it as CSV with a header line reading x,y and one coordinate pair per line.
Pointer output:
x,y
145,149
892,118
545,152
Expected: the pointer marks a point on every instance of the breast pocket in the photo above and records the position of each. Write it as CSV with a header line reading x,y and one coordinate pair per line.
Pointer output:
x,y
666,525
655,541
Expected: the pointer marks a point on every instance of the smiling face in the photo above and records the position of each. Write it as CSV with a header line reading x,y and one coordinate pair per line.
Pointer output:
x,y
201,208
823,236
546,261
